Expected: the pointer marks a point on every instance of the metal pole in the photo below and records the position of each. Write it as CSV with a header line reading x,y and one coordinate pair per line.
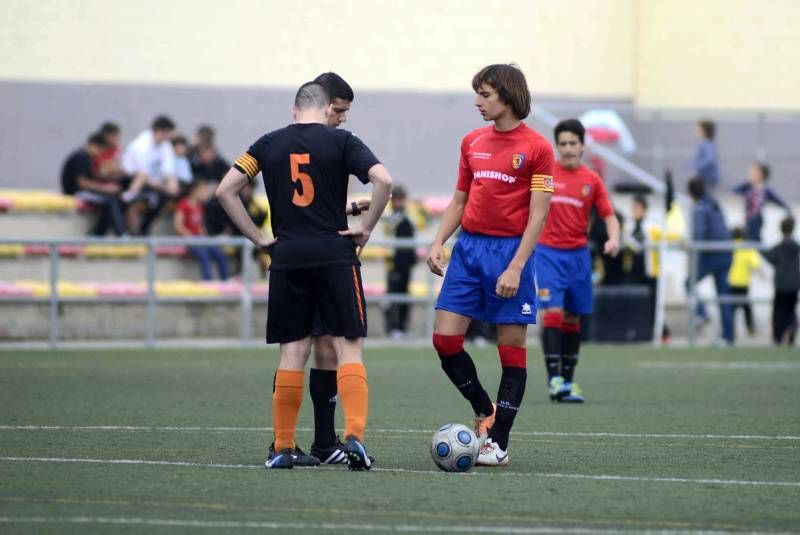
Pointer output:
x,y
247,294
660,304
431,304
54,317
761,151
658,149
150,328
692,301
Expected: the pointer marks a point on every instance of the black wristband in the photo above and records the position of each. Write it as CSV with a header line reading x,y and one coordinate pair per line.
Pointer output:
x,y
355,210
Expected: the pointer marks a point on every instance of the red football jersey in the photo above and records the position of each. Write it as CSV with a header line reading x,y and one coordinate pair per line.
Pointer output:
x,y
192,216
498,171
576,191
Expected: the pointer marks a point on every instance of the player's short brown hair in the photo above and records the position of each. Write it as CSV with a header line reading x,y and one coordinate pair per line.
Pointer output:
x,y
510,84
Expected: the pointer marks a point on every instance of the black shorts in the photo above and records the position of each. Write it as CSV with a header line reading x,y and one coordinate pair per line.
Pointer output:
x,y
318,301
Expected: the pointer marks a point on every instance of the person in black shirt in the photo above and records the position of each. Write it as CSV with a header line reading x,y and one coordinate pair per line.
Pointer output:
x,y
399,266
785,258
77,178
315,267
207,164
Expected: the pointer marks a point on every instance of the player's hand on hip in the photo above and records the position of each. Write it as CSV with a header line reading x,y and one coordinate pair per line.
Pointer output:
x,y
359,235
508,283
611,248
436,259
265,244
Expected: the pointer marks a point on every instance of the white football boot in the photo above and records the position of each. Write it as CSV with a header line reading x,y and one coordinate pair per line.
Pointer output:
x,y
491,455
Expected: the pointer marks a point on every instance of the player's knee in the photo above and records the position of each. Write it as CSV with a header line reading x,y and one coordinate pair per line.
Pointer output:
x,y
513,357
553,318
324,357
448,344
572,323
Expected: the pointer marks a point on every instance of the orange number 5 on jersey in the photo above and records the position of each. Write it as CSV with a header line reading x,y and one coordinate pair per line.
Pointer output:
x,y
306,184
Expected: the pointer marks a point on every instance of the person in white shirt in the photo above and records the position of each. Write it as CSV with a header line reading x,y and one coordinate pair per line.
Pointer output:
x,y
150,160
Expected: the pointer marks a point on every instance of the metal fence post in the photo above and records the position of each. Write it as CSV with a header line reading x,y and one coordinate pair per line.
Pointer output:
x,y
150,326
658,149
247,294
54,316
430,313
692,293
660,297
761,150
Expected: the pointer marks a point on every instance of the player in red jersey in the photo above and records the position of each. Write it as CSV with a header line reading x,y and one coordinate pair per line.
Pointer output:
x,y
501,202
563,264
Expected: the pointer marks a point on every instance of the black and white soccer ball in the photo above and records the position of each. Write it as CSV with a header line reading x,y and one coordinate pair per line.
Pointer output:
x,y
455,448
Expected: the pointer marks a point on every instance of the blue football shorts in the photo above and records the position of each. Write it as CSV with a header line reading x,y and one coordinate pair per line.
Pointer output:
x,y
564,279
469,284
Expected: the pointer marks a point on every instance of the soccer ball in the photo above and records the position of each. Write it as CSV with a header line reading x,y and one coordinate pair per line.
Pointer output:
x,y
455,448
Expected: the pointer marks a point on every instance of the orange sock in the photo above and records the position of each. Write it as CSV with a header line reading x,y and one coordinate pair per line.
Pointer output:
x,y
351,380
286,400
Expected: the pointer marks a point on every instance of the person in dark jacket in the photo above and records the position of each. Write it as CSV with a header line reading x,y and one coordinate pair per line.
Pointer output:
x,y
756,194
399,266
708,224
705,163
785,257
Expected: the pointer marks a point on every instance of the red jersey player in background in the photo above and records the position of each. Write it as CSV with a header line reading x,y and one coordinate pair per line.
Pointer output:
x,y
563,263
501,202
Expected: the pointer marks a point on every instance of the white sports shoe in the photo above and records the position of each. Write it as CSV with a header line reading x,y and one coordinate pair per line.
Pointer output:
x,y
491,454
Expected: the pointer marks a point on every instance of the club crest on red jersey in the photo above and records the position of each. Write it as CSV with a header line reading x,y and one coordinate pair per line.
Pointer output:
x,y
585,190
517,161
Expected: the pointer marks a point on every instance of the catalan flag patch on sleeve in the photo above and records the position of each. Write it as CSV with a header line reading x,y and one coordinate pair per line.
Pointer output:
x,y
248,165
542,183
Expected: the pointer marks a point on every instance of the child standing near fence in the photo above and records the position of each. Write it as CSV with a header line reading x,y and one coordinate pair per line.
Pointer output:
x,y
745,262
188,221
785,257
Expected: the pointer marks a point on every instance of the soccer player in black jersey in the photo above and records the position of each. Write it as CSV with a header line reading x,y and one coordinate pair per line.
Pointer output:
x,y
315,268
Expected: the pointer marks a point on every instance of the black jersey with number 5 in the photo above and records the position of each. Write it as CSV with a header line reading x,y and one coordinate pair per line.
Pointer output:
x,y
306,168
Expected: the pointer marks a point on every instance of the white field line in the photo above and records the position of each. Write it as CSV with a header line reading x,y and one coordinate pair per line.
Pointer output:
x,y
190,429
720,366
598,477
326,526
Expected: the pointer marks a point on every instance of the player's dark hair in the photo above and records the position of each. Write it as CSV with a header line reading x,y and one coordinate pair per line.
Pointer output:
x,y
640,199
787,226
764,170
399,192
206,133
573,126
510,84
179,140
697,188
708,128
737,233
162,122
311,95
335,86
97,140
109,128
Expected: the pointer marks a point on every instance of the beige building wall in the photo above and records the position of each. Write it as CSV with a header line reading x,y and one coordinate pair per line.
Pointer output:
x,y
736,54
568,47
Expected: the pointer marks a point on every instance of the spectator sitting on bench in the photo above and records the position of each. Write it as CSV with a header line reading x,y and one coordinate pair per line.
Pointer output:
x,y
107,164
150,160
78,179
183,169
188,221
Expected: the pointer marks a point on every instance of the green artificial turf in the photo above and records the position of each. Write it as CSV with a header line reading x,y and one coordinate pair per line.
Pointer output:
x,y
669,439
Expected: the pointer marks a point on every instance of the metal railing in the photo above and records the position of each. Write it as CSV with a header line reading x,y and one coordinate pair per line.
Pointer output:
x,y
245,298
151,299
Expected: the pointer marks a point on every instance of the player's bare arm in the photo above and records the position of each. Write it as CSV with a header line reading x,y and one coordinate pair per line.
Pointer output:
x,y
508,282
381,191
228,195
451,219
611,247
